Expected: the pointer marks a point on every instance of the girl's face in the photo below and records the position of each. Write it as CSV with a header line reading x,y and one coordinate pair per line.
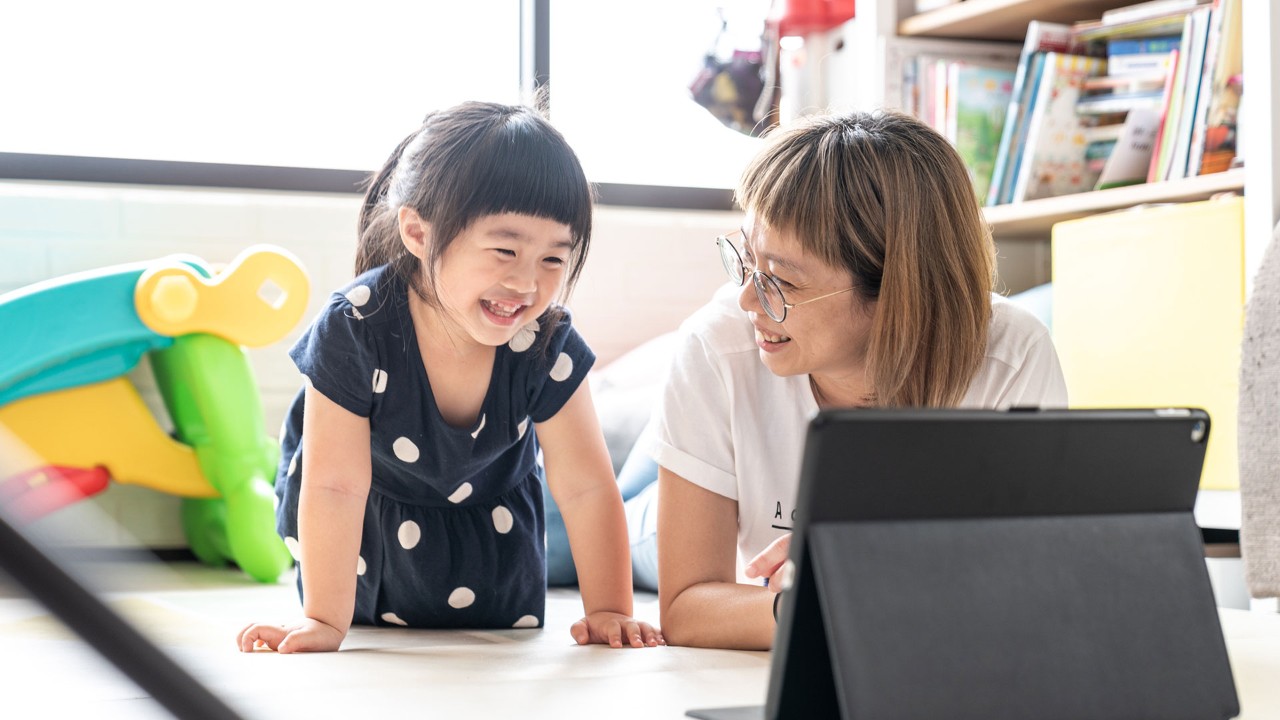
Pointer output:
x,y
502,273
827,338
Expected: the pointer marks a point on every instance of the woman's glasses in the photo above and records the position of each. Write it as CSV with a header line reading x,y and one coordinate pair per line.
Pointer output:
x,y
767,290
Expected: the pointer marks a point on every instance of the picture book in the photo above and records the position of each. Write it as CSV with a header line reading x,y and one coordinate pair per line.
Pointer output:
x,y
1053,162
976,105
1041,37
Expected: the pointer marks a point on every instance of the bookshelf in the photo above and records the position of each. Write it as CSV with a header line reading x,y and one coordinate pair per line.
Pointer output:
x,y
1007,20
1035,218
999,19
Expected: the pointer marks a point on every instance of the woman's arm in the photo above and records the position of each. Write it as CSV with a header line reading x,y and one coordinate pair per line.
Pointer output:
x,y
337,473
702,603
580,477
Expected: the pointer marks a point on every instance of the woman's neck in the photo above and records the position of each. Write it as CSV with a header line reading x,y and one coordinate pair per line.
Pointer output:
x,y
852,390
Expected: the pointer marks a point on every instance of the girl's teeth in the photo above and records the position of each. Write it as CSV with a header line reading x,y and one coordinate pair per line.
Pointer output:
x,y
501,309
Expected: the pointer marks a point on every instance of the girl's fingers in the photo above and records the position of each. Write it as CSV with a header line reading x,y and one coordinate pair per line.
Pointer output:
x,y
579,632
634,636
651,635
614,633
269,635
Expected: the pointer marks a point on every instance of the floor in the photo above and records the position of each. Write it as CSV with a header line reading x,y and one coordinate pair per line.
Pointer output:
x,y
193,613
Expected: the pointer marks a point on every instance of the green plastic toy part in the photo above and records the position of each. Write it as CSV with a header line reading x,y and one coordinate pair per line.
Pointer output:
x,y
210,393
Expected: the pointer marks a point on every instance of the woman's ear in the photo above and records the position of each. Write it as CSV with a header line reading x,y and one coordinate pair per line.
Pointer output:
x,y
415,232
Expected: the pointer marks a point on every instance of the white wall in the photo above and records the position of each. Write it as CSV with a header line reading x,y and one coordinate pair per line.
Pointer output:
x,y
647,270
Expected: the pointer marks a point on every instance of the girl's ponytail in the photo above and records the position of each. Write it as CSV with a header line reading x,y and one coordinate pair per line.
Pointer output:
x,y
378,228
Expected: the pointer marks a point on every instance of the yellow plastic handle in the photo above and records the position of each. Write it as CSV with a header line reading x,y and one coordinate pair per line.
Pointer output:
x,y
255,301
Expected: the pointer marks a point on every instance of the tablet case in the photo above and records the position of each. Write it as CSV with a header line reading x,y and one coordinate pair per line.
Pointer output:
x,y
979,564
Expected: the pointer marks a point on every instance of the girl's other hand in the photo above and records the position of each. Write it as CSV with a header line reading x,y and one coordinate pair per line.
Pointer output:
x,y
611,628
768,564
305,636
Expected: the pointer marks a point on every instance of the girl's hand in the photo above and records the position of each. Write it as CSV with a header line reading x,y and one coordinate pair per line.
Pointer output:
x,y
305,636
772,564
611,628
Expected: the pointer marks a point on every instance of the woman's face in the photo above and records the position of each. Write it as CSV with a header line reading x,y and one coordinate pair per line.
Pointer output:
x,y
502,273
827,338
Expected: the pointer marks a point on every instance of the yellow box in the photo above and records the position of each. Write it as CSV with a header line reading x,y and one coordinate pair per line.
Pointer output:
x,y
1148,311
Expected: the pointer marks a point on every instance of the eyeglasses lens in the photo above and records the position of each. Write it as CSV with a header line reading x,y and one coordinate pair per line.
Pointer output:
x,y
770,295
731,260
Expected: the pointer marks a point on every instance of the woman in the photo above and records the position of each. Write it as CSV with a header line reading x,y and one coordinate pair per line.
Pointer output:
x,y
862,276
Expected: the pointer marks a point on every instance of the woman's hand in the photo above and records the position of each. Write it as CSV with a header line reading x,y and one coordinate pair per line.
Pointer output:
x,y
772,564
611,628
305,636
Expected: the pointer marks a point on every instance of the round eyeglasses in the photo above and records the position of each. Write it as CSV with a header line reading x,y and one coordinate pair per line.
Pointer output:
x,y
767,290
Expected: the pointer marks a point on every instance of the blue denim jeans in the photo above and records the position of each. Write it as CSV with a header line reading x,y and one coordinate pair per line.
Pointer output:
x,y
636,483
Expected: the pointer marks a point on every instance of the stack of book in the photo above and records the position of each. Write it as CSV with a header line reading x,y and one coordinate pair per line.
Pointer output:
x,y
1148,92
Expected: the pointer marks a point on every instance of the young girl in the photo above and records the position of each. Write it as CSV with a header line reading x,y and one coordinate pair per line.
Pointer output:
x,y
410,482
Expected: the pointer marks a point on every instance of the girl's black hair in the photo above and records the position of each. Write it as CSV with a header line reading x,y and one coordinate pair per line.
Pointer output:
x,y
462,164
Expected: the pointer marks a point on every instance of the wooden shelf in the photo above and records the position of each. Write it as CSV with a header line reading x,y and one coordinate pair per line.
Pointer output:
x,y
1035,218
1001,19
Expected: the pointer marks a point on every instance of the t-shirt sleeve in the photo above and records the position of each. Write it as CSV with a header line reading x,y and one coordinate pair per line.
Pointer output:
x,y
338,357
694,433
556,371
1039,381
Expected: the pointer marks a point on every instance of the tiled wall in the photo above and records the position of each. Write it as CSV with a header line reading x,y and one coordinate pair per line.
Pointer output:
x,y
648,269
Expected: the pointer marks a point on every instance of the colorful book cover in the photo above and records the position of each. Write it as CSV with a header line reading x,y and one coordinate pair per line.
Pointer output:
x,y
1169,131
1053,162
1224,100
1041,37
1177,167
978,98
1019,144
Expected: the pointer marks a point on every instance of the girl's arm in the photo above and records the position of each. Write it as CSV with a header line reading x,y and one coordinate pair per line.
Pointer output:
x,y
702,603
580,477
337,472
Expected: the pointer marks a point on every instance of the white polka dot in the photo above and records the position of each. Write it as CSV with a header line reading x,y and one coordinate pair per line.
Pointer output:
x,y
461,597
477,432
502,520
524,337
562,369
527,621
293,461
275,503
393,618
409,534
462,493
524,425
294,549
405,449
358,295
379,381
361,567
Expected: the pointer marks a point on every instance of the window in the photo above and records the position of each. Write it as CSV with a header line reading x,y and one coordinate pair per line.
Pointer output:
x,y
247,82
620,75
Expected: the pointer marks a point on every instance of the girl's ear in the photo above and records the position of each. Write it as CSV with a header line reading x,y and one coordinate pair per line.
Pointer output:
x,y
415,232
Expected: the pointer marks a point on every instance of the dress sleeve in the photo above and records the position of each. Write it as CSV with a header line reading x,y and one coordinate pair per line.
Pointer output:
x,y
556,370
338,357
695,437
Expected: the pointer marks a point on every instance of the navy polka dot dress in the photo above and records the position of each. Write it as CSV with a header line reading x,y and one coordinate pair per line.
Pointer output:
x,y
453,528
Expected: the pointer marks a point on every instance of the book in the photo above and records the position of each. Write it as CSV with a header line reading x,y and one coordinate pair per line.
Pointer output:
x,y
1177,164
1130,156
1221,128
977,99
1144,10
1195,152
1140,56
904,80
1018,146
1053,160
1041,37
1111,103
1165,108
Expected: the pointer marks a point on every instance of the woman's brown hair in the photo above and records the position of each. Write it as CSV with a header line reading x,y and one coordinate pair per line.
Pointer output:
x,y
886,197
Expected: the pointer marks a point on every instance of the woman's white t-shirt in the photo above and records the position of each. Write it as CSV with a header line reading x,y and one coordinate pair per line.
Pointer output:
x,y
728,424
